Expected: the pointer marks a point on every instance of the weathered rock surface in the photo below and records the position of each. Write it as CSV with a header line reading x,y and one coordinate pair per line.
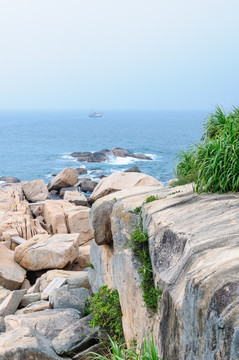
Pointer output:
x,y
63,190
88,185
12,275
48,322
30,298
35,190
121,181
133,169
54,213
77,221
67,177
25,344
75,197
74,279
76,337
61,299
48,252
9,179
34,307
194,249
11,303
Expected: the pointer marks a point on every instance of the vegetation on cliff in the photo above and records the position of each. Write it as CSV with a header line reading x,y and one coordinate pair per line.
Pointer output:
x,y
213,164
140,248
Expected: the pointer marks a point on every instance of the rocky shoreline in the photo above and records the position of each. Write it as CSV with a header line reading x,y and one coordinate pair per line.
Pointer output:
x,y
49,234
45,240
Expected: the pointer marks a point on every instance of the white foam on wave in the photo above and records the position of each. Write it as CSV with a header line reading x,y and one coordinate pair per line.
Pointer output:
x,y
68,158
121,160
48,176
152,156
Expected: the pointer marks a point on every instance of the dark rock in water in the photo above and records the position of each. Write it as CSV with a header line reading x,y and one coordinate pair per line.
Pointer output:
x,y
53,175
53,192
105,154
88,185
9,179
133,169
81,154
122,152
63,190
142,156
81,171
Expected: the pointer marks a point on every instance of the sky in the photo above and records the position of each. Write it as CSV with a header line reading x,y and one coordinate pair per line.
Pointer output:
x,y
118,54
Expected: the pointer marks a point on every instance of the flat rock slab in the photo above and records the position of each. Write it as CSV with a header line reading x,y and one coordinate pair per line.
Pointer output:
x,y
11,303
34,307
12,274
74,279
48,322
61,299
30,298
76,337
75,197
25,344
55,284
3,293
121,181
48,252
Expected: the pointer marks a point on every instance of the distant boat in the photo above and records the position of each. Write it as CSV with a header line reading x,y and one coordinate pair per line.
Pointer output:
x,y
95,115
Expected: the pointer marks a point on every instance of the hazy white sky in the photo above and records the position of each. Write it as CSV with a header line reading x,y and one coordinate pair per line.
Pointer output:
x,y
119,54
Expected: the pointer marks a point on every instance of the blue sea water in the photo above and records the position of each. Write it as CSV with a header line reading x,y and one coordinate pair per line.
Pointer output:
x,y
37,144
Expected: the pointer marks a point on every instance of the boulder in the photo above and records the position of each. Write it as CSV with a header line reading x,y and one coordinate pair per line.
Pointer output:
x,y
74,279
30,298
11,303
121,181
67,177
76,337
142,156
48,252
88,185
77,221
75,197
81,171
35,190
54,215
9,179
48,322
12,275
63,190
133,169
61,299
25,344
3,293
34,307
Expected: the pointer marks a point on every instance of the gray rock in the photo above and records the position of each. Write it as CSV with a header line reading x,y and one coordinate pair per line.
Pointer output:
x,y
2,324
63,190
25,344
81,293
30,298
33,307
76,337
11,303
9,179
88,185
133,169
48,322
81,171
60,299
87,354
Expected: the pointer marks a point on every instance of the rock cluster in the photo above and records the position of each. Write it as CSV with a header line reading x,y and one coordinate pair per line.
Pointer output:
x,y
104,155
44,251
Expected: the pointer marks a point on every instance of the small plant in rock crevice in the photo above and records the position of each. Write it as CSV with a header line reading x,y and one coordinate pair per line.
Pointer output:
x,y
140,249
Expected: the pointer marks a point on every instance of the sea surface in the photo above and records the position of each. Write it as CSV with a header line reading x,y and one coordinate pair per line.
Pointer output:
x,y
38,144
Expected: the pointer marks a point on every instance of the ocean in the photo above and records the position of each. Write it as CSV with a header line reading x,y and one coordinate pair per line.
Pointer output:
x,y
38,144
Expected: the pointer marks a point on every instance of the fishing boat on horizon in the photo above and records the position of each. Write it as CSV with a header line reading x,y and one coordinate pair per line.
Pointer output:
x,y
94,114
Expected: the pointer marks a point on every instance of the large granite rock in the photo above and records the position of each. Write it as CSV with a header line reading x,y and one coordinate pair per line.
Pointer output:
x,y
75,197
121,181
12,275
11,303
76,337
77,221
35,190
24,344
54,213
48,252
48,322
74,279
67,177
193,241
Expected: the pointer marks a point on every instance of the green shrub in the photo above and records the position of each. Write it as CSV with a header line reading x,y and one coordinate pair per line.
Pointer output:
x,y
107,314
213,164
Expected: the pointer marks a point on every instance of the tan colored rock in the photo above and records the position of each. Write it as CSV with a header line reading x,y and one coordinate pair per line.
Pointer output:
x,y
35,190
67,177
12,275
54,215
83,258
77,220
121,181
75,197
74,279
34,307
48,252
3,293
11,303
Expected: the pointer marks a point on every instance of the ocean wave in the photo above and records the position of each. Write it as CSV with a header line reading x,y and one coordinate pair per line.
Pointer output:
x,y
48,176
121,160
